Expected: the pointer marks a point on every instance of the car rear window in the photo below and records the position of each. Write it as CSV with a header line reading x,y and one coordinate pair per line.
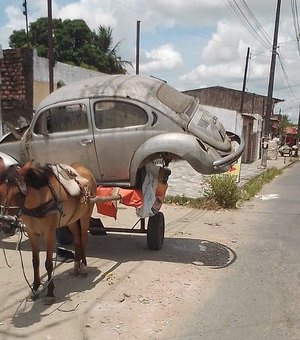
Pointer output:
x,y
174,99
111,114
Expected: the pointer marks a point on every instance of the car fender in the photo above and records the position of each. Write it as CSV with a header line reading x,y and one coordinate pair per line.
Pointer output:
x,y
8,160
187,147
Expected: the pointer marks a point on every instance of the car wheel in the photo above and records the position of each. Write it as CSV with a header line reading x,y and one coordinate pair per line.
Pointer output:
x,y
156,231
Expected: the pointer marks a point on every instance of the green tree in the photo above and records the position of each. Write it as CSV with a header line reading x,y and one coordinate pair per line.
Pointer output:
x,y
74,43
18,39
109,59
283,124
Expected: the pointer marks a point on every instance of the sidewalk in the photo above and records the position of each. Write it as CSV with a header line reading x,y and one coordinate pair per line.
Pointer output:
x,y
251,170
184,180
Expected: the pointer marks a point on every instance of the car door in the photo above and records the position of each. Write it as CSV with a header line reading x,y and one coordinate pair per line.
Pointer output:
x,y
120,127
63,134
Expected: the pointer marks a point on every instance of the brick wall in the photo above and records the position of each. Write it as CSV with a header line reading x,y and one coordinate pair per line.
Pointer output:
x,y
16,69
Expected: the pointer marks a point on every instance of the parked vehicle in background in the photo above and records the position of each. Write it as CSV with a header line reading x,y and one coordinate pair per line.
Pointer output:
x,y
285,150
115,124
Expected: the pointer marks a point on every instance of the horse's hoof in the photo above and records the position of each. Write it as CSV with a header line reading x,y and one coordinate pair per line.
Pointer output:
x,y
49,300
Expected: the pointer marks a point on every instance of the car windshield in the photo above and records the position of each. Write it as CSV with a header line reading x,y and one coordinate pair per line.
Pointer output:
x,y
175,100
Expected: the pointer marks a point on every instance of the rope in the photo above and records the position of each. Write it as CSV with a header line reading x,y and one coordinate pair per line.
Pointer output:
x,y
5,258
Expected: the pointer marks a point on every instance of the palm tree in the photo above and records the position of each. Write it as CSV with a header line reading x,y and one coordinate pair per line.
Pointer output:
x,y
283,124
109,61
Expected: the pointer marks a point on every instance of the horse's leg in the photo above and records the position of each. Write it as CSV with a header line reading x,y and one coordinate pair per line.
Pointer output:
x,y
34,243
84,226
50,245
79,230
75,229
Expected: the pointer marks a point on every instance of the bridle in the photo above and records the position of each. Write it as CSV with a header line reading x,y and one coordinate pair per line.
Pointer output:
x,y
10,221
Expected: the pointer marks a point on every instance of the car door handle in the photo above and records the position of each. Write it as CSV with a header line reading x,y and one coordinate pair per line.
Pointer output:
x,y
85,142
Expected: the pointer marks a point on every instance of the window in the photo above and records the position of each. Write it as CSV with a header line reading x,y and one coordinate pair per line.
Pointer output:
x,y
62,119
113,114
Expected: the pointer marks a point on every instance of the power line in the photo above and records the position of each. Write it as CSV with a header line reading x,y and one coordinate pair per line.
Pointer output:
x,y
252,28
258,25
296,22
286,78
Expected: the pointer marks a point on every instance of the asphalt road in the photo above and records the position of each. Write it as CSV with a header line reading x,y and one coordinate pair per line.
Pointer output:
x,y
258,296
220,275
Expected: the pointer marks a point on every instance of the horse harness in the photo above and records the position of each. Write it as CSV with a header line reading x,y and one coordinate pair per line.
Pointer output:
x,y
45,208
40,211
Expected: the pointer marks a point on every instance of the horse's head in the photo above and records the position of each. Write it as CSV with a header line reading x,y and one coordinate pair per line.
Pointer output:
x,y
13,191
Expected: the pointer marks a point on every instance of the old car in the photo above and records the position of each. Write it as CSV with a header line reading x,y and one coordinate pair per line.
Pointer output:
x,y
115,124
118,126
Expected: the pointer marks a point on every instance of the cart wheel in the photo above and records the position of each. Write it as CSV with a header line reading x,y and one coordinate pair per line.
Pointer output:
x,y
156,231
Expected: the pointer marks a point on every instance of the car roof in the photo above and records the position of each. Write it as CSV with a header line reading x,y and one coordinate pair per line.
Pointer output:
x,y
152,91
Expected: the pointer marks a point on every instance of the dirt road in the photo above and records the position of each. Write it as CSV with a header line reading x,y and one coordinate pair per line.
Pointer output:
x,y
130,291
219,275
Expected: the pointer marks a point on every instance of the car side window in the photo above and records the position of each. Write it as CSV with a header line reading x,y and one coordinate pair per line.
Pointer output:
x,y
112,114
62,119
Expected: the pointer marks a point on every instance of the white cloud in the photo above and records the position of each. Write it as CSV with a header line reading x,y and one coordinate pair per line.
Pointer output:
x,y
162,58
93,12
210,49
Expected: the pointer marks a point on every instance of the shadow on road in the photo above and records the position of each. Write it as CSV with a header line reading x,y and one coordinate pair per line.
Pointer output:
x,y
125,248
121,247
118,248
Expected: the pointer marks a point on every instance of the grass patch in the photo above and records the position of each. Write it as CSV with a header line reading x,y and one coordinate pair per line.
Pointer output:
x,y
254,185
198,203
221,191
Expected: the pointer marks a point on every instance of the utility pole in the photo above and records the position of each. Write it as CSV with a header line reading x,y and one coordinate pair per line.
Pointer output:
x,y
269,106
137,58
50,47
244,81
298,129
26,18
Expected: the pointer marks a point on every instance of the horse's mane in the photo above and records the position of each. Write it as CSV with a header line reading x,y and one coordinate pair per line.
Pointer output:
x,y
10,175
38,177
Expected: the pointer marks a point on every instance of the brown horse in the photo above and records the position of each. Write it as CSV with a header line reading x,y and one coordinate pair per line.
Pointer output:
x,y
34,198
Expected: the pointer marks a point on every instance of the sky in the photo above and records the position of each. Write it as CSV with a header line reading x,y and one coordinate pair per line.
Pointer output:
x,y
190,43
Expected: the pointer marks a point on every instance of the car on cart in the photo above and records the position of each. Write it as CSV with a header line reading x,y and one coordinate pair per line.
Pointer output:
x,y
117,124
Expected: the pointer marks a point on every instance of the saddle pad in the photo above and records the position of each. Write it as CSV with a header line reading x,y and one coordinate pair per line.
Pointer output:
x,y
67,177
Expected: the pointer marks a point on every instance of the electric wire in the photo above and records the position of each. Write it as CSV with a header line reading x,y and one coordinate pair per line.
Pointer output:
x,y
252,28
296,22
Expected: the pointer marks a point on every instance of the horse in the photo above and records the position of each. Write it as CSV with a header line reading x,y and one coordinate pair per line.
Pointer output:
x,y
34,198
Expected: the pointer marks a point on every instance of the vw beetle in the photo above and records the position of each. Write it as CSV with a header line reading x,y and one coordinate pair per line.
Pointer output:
x,y
116,125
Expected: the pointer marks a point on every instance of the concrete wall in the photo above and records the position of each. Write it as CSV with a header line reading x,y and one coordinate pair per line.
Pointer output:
x,y
61,72
231,120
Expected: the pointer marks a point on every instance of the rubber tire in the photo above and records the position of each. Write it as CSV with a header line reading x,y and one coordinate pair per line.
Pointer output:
x,y
156,231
